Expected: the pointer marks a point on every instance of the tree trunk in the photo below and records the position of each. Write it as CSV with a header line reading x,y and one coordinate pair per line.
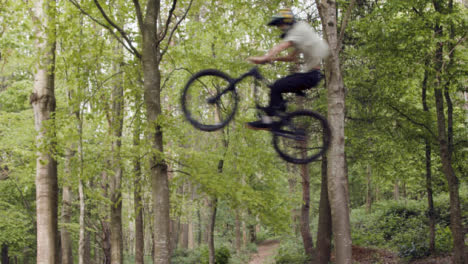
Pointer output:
x,y
65,239
174,231
83,241
305,211
428,152
191,223
137,193
43,103
453,184
159,179
238,232
116,126
444,152
292,182
183,241
324,233
200,228
205,221
252,233
396,191
337,176
5,257
106,230
245,240
191,236
211,246
430,201
369,189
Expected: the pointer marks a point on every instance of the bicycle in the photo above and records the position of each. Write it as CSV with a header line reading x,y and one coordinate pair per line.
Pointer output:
x,y
210,100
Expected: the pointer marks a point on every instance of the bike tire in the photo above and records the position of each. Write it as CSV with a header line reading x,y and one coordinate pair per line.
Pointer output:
x,y
302,137
202,86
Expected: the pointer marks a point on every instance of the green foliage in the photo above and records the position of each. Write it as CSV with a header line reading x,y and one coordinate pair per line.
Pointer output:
x,y
200,255
239,259
222,255
16,223
291,251
16,97
183,256
403,227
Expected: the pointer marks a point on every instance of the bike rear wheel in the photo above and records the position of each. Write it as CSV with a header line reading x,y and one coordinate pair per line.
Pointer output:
x,y
302,137
208,102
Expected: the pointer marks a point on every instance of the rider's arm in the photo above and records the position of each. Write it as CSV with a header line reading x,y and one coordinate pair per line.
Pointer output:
x,y
292,56
271,54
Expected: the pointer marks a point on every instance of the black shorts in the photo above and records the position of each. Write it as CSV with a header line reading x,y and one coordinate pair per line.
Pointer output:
x,y
293,83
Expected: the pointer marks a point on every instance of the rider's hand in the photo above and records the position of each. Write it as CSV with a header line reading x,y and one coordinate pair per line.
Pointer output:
x,y
258,60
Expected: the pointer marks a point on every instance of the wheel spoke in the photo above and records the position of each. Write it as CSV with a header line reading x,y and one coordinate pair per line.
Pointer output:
x,y
198,96
302,138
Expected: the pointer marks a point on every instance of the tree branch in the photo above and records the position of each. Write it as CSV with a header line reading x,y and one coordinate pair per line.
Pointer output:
x,y
170,74
413,121
344,24
168,22
121,31
102,25
139,14
175,28
461,40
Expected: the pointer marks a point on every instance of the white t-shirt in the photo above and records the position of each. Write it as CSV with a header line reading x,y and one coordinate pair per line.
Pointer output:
x,y
307,42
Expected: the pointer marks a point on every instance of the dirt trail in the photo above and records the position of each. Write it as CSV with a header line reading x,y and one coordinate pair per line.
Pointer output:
x,y
266,252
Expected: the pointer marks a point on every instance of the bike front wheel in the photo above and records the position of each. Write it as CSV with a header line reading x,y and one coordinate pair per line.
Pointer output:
x,y
208,100
302,137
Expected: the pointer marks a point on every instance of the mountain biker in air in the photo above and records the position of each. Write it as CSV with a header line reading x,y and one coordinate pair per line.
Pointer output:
x,y
304,40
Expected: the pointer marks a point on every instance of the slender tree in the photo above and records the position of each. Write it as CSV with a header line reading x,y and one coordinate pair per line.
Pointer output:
x,y
211,226
116,127
137,194
324,232
67,198
305,212
428,163
337,171
444,145
43,102
5,259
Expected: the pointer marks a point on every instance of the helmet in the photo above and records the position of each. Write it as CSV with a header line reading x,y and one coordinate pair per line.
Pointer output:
x,y
285,16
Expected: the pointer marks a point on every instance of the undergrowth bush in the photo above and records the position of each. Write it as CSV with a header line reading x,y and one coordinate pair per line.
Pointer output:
x,y
403,227
200,255
184,256
291,251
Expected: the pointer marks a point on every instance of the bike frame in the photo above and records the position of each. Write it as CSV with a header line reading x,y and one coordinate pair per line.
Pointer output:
x,y
254,72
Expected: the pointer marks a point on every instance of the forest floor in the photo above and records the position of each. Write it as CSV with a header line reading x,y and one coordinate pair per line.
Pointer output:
x,y
363,255
266,252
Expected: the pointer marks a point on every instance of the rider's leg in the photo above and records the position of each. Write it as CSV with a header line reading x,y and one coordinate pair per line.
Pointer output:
x,y
292,84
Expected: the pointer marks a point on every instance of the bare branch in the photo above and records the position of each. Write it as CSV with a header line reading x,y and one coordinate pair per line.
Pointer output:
x,y
344,24
102,25
139,14
461,40
121,31
168,22
170,74
413,121
175,28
